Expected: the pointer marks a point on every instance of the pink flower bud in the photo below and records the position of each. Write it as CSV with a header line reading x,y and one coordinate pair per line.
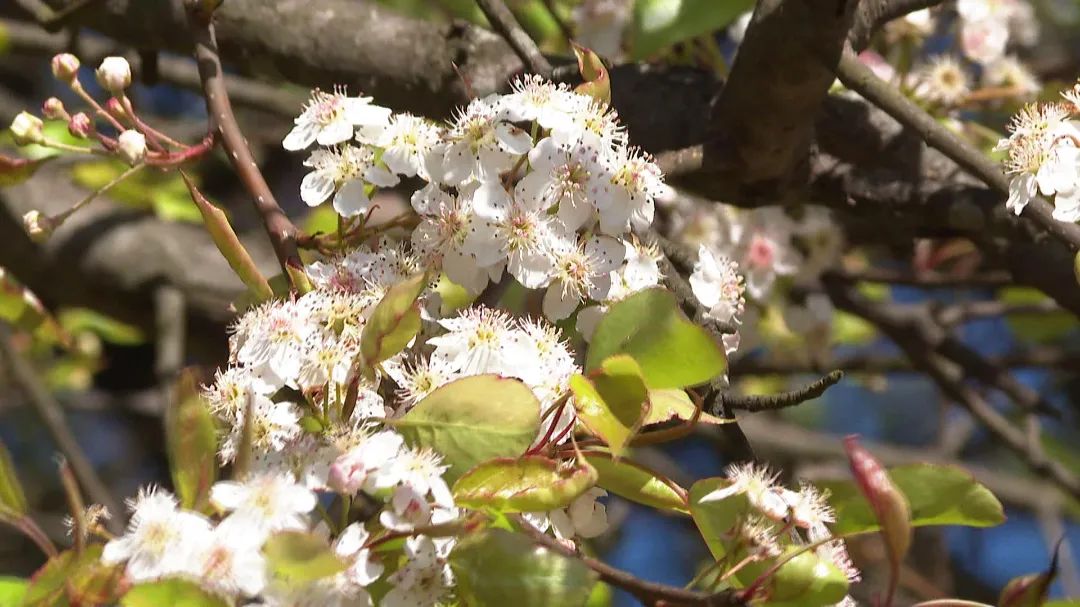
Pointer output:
x,y
114,75
53,109
347,474
890,506
80,126
65,67
131,145
115,108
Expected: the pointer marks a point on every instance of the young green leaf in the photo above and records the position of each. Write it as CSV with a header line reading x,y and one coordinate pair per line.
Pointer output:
x,y
1030,590
497,568
473,420
74,578
661,23
12,590
528,484
649,326
637,483
596,83
807,580
191,441
297,558
175,592
674,404
394,322
938,495
12,498
613,401
714,519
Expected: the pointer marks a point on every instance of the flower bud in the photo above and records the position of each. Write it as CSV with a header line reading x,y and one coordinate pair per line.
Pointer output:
x,y
53,109
80,126
65,67
115,108
114,75
131,145
38,226
26,128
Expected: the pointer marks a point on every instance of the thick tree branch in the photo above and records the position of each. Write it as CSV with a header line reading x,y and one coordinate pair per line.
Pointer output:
x,y
873,14
504,23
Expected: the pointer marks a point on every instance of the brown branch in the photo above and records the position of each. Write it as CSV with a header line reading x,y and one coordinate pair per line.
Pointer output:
x,y
280,229
915,334
503,22
873,14
862,80
649,593
52,415
1045,358
773,402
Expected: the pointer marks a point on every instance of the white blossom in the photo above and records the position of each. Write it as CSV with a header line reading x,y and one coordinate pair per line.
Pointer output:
x,y
344,173
273,502
332,118
160,540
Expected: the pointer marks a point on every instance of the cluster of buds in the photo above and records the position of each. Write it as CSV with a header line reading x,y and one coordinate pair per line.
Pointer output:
x,y
124,136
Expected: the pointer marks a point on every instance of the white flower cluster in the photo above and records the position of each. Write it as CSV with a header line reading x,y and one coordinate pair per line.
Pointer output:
x,y
1044,156
777,510
553,209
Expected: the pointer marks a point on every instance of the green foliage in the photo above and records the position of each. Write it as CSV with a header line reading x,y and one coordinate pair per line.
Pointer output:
x,y
673,404
806,580
73,578
12,498
613,401
473,420
528,484
715,518
637,483
20,307
1041,327
175,592
191,441
453,296
394,322
298,557
672,351
661,23
938,495
12,590
496,568
164,193
597,82
79,320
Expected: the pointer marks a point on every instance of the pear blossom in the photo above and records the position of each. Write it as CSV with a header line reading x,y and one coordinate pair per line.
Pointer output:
x,y
626,190
406,142
1009,71
717,285
533,98
332,118
518,231
480,144
421,469
479,340
561,177
425,579
271,339
160,540
942,80
230,560
273,502
759,486
600,25
418,378
114,75
363,569
1043,158
344,173
131,146
440,237
582,271
273,426
585,517
364,465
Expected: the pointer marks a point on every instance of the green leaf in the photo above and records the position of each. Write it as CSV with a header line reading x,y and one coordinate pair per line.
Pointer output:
x,y
191,440
78,320
20,307
672,351
596,83
453,296
613,402
73,578
14,170
12,498
637,483
12,590
297,557
175,592
938,495
714,519
1042,327
321,220
473,420
528,484
394,322
162,192
674,404
662,23
498,568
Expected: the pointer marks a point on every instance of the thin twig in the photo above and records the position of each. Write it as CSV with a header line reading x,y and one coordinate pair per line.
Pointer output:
x,y
649,593
279,227
52,414
859,78
503,22
772,402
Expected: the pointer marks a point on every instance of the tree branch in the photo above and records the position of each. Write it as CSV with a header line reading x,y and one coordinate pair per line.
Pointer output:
x,y
782,400
504,23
